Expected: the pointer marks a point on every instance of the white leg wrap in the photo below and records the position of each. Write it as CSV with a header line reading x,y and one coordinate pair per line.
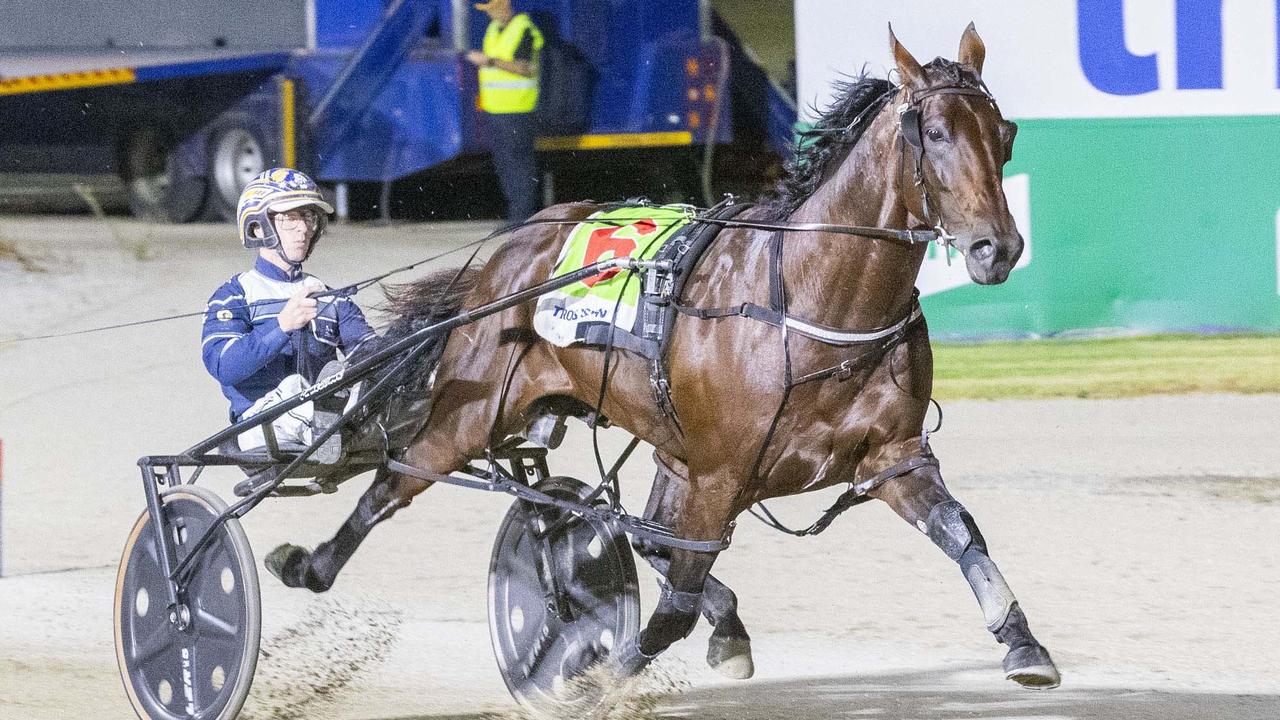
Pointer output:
x,y
993,593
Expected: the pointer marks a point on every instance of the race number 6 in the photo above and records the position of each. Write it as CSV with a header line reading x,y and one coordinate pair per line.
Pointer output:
x,y
614,242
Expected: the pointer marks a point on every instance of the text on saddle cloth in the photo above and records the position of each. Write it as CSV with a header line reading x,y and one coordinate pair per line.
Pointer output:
x,y
576,313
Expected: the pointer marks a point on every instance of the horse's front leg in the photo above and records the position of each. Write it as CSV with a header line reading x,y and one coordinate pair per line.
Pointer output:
x,y
922,499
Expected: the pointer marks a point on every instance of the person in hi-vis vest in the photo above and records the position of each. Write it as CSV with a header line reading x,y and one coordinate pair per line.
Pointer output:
x,y
508,66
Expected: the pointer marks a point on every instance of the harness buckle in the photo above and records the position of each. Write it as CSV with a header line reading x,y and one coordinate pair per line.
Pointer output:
x,y
660,387
945,240
844,371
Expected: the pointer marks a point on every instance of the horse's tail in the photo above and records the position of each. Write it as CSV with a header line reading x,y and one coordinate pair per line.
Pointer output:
x,y
416,305
435,297
403,402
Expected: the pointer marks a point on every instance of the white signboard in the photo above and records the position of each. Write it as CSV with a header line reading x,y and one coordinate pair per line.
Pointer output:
x,y
1062,58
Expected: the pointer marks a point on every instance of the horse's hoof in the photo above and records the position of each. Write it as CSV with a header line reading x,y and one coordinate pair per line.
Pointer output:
x,y
631,660
288,563
731,657
1031,667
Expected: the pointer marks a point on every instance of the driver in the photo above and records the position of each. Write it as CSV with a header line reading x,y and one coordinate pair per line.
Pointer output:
x,y
264,339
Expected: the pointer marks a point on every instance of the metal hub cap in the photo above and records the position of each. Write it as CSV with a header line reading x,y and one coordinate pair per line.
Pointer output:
x,y
237,159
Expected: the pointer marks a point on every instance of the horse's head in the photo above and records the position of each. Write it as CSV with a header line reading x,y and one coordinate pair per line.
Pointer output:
x,y
957,143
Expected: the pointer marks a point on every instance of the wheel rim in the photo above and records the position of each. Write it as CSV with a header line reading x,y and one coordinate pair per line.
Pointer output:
x,y
538,653
205,669
237,159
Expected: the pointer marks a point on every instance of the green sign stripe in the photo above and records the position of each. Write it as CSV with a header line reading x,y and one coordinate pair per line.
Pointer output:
x,y
1146,224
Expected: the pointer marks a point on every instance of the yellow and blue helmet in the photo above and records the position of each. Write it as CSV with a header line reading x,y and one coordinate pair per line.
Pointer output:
x,y
275,191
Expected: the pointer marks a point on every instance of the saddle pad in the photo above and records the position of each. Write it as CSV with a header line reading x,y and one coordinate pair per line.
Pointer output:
x,y
563,316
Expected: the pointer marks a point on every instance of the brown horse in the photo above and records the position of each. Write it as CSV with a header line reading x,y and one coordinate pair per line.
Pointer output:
x,y
927,154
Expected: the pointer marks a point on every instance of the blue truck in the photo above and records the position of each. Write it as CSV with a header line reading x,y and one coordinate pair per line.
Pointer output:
x,y
186,101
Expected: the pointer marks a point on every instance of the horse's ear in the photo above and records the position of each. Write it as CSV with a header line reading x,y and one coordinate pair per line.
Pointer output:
x,y
972,49
908,68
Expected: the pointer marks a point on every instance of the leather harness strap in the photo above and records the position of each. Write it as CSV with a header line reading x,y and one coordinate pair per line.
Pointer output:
x,y
683,253
774,315
858,493
815,331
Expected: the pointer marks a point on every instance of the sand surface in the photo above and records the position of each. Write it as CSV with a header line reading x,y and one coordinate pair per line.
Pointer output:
x,y
1139,535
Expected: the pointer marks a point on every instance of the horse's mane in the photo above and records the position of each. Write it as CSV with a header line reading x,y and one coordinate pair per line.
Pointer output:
x,y
857,102
824,143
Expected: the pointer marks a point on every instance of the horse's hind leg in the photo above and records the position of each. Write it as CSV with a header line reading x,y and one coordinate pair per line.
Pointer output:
x,y
677,611
686,576
433,451
729,648
317,569
922,499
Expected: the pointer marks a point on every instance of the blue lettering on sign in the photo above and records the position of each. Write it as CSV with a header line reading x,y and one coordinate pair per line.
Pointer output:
x,y
1106,62
1199,24
1110,67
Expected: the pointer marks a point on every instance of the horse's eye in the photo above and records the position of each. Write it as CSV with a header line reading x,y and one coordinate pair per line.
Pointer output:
x,y
934,134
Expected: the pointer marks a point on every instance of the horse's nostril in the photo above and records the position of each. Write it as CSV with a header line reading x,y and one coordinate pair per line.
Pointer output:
x,y
982,250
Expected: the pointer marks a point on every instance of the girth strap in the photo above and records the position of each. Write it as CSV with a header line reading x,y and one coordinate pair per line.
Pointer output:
x,y
684,253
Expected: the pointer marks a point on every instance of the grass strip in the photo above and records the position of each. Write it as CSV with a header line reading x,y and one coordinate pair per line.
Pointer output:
x,y
1107,368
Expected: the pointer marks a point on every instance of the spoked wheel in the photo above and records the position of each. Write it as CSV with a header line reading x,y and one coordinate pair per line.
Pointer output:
x,y
559,604
202,666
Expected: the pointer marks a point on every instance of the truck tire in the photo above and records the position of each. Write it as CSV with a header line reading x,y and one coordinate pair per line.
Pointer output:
x,y
161,188
239,149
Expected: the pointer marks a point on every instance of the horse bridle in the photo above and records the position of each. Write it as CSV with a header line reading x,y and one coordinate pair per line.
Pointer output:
x,y
912,134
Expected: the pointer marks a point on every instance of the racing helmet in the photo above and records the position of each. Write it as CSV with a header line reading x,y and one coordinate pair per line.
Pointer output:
x,y
275,191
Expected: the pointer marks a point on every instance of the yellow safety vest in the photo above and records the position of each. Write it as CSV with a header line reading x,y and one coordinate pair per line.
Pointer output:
x,y
506,92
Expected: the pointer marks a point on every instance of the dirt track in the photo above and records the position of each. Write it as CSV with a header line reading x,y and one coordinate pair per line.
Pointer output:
x,y
1139,536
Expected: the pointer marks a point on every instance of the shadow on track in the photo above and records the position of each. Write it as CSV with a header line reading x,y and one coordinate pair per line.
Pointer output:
x,y
931,696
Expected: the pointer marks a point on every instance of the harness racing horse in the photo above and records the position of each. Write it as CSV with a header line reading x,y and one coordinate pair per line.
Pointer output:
x,y
846,362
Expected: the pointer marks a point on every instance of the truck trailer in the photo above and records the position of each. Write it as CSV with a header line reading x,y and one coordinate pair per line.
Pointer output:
x,y
186,101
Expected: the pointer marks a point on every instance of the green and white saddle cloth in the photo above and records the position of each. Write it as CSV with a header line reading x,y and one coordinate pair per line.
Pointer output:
x,y
578,313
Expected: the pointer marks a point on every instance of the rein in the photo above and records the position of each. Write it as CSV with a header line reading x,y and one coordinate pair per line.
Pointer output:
x,y
910,237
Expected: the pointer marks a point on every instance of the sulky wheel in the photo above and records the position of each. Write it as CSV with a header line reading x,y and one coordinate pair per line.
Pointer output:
x,y
202,670
560,605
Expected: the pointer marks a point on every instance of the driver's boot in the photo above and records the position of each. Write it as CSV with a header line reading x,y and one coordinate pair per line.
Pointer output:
x,y
325,415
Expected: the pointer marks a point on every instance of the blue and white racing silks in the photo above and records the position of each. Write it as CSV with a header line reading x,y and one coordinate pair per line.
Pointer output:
x,y
247,352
